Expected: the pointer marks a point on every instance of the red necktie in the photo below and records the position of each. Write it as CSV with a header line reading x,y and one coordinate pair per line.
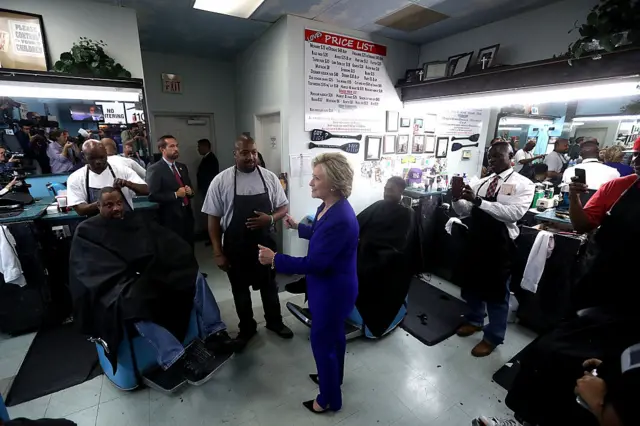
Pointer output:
x,y
185,200
493,186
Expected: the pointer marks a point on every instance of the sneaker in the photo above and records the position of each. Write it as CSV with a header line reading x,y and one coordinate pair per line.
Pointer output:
x,y
220,343
494,421
281,330
199,364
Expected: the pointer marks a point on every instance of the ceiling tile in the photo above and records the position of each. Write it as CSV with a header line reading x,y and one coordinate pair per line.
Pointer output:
x,y
272,10
357,13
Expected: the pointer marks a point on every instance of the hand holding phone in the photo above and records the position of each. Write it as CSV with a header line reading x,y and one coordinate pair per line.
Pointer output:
x,y
580,176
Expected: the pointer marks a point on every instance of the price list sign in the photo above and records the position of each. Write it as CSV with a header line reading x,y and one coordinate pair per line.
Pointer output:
x,y
345,82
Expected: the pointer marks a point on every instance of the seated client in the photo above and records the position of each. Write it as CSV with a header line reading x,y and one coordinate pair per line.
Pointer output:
x,y
130,274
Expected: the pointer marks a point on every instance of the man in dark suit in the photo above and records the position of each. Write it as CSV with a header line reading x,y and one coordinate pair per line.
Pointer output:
x,y
208,168
170,187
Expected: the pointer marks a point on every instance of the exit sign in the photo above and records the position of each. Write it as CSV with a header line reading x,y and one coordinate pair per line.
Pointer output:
x,y
171,83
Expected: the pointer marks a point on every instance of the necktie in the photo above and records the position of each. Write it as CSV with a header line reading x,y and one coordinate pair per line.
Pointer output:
x,y
185,200
493,186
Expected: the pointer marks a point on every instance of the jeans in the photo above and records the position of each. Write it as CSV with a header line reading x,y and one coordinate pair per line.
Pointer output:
x,y
498,312
168,347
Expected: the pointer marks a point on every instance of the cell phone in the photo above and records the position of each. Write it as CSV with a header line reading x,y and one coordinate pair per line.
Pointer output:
x,y
581,176
457,183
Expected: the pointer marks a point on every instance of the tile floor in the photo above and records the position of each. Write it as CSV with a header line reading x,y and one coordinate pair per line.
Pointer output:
x,y
395,381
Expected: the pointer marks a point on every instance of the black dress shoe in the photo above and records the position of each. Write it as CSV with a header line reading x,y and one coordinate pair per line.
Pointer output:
x,y
242,340
314,379
309,406
281,330
220,343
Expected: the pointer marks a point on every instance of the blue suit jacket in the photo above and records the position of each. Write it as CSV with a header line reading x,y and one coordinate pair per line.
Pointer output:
x,y
330,265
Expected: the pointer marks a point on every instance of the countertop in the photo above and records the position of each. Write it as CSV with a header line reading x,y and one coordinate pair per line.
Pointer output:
x,y
549,215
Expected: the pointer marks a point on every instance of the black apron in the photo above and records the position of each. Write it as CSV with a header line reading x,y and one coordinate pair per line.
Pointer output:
x,y
488,254
93,194
608,277
240,244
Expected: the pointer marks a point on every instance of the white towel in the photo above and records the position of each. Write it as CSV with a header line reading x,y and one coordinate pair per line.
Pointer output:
x,y
540,252
9,263
450,223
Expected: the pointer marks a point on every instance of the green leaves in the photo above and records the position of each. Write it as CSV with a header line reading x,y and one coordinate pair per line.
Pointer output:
x,y
89,58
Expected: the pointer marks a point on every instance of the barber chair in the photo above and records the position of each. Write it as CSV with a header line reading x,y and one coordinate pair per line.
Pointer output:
x,y
354,326
137,357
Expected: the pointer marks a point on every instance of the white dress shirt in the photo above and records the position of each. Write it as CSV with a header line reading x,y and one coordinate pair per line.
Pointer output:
x,y
514,198
521,155
597,173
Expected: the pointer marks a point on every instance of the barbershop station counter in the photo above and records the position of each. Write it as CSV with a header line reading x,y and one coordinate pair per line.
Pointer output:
x,y
43,242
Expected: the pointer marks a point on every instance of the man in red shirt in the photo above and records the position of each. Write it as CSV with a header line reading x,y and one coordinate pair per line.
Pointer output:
x,y
587,218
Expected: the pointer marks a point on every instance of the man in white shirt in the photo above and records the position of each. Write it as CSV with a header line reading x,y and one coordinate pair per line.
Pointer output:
x,y
84,185
243,203
524,157
556,160
114,159
490,208
597,173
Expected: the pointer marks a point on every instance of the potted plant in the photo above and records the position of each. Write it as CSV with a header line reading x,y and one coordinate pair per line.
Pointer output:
x,y
611,24
89,58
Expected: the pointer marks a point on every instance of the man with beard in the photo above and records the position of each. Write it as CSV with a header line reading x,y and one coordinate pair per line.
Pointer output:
x,y
128,271
170,187
84,185
243,203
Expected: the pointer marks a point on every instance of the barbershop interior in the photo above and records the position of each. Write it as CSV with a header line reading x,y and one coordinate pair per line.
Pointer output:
x,y
319,212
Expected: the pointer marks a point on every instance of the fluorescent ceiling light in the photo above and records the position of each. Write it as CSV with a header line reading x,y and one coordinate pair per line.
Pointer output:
x,y
516,121
64,91
559,93
239,8
608,118
510,128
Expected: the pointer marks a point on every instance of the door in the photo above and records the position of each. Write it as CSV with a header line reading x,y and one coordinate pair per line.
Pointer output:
x,y
188,130
269,141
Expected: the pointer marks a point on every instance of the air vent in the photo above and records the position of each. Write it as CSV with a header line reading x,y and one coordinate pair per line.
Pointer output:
x,y
411,18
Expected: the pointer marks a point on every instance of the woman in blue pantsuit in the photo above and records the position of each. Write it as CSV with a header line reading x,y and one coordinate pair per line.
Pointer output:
x,y
331,272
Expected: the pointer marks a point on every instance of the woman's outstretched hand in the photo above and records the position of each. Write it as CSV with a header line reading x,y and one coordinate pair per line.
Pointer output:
x,y
265,255
290,223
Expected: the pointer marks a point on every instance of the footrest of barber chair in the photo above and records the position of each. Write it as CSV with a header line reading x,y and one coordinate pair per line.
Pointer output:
x,y
163,381
304,316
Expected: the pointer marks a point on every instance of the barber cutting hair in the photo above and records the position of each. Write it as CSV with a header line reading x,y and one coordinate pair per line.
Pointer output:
x,y
84,185
491,208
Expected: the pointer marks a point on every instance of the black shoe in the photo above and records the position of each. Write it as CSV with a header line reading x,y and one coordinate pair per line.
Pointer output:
x,y
243,338
220,343
204,274
169,380
314,379
309,406
200,364
281,330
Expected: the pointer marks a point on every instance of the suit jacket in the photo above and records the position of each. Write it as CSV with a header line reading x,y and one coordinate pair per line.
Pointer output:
x,y
207,170
162,188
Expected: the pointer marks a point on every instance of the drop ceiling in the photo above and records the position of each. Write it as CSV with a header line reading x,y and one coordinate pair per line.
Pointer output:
x,y
173,26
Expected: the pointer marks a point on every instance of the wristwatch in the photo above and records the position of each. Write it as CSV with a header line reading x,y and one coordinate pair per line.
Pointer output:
x,y
477,202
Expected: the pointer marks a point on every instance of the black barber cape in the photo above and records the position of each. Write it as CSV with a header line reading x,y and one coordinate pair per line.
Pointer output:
x,y
122,271
388,242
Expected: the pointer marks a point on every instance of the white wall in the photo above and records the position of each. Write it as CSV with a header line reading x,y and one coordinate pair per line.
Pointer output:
x,y
531,36
65,21
400,56
208,87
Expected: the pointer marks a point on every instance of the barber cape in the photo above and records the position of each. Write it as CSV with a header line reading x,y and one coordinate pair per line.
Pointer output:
x,y
388,242
123,271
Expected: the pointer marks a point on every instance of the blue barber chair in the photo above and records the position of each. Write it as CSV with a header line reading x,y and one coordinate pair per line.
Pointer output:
x,y
4,415
136,356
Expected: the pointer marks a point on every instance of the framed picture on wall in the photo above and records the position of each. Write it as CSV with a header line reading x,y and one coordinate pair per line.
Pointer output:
x,y
442,147
402,146
23,44
418,144
392,121
389,146
429,144
418,123
486,56
430,123
405,122
458,64
372,148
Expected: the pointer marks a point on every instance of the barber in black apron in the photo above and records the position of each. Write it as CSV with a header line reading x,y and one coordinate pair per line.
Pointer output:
x,y
93,194
489,248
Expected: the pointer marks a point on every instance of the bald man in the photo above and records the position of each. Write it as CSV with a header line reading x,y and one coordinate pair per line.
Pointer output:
x,y
557,161
84,185
114,159
596,172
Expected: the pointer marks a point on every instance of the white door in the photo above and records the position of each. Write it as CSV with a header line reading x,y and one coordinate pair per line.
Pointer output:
x,y
269,140
188,136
